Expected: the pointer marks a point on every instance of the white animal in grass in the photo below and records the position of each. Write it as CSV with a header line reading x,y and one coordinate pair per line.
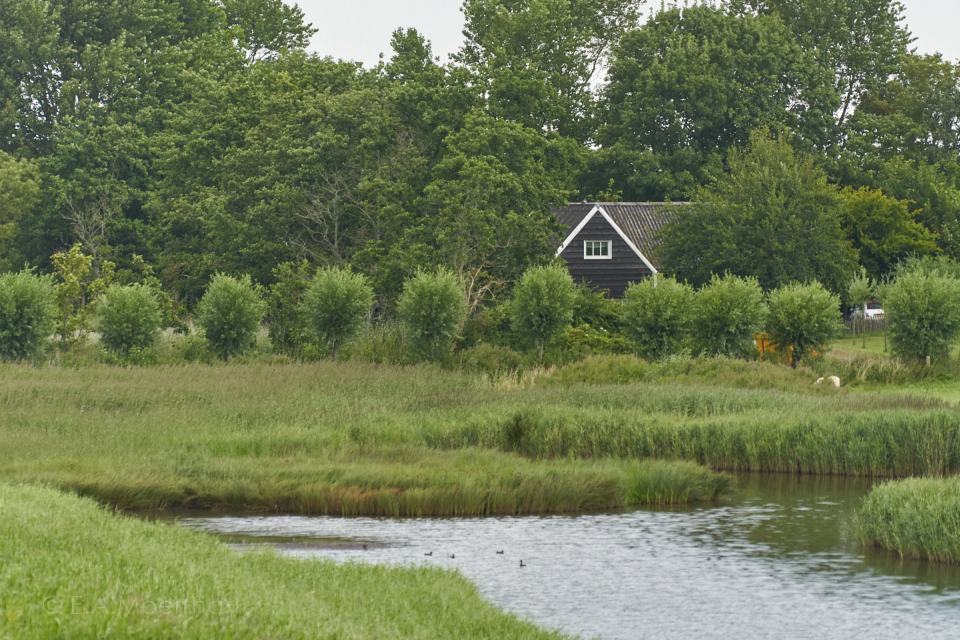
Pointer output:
x,y
834,380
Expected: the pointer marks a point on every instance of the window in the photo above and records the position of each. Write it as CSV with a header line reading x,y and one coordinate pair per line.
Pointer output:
x,y
596,250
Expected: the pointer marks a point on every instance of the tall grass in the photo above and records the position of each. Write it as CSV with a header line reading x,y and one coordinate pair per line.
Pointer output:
x,y
917,518
71,569
351,438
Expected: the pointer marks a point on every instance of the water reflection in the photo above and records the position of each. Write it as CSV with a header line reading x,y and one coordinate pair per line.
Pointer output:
x,y
779,561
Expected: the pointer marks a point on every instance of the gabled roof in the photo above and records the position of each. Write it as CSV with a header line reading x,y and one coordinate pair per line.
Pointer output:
x,y
638,222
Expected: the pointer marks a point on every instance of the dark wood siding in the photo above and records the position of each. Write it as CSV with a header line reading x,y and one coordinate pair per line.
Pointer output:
x,y
611,275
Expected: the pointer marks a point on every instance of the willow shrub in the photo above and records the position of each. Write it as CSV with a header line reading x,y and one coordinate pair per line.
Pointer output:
x,y
336,305
542,305
923,314
230,313
28,308
129,318
656,316
916,518
432,308
802,319
727,314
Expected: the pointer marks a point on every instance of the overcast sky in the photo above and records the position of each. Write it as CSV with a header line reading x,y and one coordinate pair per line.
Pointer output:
x,y
360,29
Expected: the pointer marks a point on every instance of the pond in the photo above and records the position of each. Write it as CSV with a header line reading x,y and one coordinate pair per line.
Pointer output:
x,y
777,561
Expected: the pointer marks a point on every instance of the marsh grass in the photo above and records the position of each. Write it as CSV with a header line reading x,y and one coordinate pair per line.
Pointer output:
x,y
72,569
915,517
363,439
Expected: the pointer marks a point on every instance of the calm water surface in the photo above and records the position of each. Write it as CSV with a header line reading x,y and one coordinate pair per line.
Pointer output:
x,y
778,561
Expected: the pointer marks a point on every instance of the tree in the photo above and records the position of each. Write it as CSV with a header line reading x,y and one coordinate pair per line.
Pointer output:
x,y
691,84
542,305
268,27
727,314
285,318
923,314
657,313
19,193
536,60
229,314
27,314
129,318
882,230
773,216
859,41
432,309
335,306
78,291
802,318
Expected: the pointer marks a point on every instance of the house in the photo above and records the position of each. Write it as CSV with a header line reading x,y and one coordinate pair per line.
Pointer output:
x,y
608,245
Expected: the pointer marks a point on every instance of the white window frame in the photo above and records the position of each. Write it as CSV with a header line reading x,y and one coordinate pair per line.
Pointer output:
x,y
608,243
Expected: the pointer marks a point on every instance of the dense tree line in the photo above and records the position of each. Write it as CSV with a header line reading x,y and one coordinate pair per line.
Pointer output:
x,y
172,140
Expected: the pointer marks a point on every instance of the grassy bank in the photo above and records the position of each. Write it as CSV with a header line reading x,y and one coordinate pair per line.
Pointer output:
x,y
354,439
72,569
916,517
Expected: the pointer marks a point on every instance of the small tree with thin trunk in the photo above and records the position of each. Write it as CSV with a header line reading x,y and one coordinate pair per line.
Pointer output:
x,y
860,292
335,306
432,307
230,313
727,314
656,316
802,318
923,313
129,318
542,305
28,310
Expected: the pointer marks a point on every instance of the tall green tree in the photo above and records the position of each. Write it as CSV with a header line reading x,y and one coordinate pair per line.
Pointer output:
x,y
773,216
19,194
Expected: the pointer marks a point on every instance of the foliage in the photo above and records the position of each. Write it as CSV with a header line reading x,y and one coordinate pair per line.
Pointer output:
x,y
285,319
19,193
493,360
861,290
336,305
774,216
727,313
229,314
916,518
656,316
27,314
923,314
660,482
802,318
542,305
432,308
129,318
81,281
883,230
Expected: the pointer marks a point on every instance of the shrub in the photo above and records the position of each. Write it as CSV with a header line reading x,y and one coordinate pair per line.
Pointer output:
x,y
335,306
230,313
923,314
491,359
129,318
542,305
802,318
727,314
28,308
656,316
381,343
432,308
284,318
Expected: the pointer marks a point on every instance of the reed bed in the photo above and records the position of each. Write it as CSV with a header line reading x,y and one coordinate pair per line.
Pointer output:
x,y
363,439
915,517
73,569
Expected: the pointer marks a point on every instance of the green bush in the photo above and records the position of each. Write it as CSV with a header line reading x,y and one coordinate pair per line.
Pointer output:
x,y
923,314
542,305
28,311
335,306
284,317
656,316
727,314
491,359
432,308
230,313
802,318
129,318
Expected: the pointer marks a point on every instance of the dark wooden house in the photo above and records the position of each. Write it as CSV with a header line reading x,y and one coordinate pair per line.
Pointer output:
x,y
610,245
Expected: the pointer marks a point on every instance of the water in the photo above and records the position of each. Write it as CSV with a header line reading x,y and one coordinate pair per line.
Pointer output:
x,y
779,561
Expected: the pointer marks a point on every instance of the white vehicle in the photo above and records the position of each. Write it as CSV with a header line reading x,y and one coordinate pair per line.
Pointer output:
x,y
872,310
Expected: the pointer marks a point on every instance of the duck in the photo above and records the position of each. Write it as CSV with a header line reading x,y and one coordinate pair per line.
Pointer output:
x,y
453,556
428,553
522,565
500,552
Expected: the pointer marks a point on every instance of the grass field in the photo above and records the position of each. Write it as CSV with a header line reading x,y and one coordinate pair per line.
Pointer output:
x,y
72,569
363,439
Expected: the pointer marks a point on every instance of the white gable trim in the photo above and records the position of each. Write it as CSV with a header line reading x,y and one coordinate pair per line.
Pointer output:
x,y
587,218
